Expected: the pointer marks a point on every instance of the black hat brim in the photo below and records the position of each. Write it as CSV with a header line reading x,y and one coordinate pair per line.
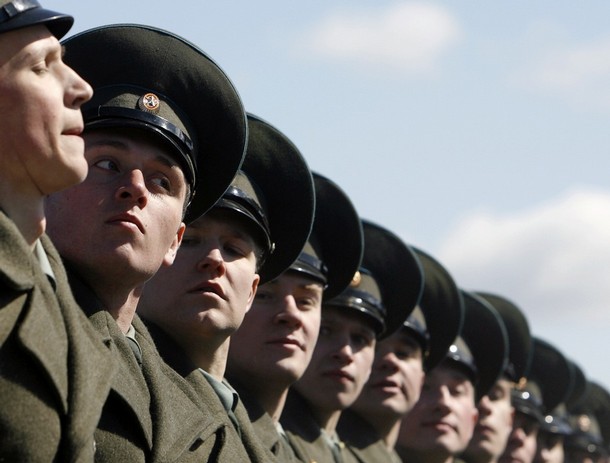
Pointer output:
x,y
396,270
551,371
280,172
519,334
578,385
151,58
338,234
486,337
58,23
442,306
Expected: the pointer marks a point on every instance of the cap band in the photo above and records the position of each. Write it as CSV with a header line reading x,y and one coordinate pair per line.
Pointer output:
x,y
419,331
128,113
312,266
15,8
363,302
236,199
178,138
459,353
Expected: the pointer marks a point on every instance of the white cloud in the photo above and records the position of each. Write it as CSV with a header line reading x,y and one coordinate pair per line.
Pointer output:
x,y
407,36
578,72
553,259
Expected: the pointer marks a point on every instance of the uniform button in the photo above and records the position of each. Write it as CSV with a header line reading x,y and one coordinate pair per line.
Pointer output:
x,y
195,445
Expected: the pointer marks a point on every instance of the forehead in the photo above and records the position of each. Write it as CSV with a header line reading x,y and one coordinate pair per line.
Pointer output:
x,y
348,318
221,221
447,373
135,142
402,338
129,138
24,42
296,280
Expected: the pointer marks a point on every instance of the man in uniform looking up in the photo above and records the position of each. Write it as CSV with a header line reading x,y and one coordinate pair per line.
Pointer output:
x,y
165,131
252,234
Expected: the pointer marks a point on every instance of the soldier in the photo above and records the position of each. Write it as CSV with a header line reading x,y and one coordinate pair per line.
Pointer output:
x,y
560,388
496,412
370,427
274,344
165,128
54,369
383,293
441,423
589,417
251,235
548,370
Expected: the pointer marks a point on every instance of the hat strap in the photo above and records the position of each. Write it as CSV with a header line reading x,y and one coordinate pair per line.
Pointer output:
x,y
15,8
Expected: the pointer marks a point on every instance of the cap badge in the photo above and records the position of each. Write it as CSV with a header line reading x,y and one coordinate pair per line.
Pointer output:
x,y
149,103
356,279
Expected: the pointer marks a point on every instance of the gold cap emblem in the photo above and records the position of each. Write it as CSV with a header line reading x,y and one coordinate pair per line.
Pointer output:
x,y
149,102
356,279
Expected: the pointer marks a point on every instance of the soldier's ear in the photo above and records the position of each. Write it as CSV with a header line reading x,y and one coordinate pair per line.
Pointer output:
x,y
255,282
170,255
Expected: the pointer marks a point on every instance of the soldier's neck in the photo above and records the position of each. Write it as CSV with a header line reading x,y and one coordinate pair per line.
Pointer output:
x,y
212,359
28,216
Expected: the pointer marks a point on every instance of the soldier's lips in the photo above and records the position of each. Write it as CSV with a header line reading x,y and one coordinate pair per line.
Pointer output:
x,y
287,342
483,429
73,131
439,425
126,219
208,287
386,385
341,375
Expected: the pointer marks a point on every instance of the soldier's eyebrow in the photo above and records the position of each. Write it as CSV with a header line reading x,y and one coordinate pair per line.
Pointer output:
x,y
166,160
107,142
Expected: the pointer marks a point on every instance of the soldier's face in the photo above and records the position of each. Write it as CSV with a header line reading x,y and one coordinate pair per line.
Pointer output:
x,y
125,220
202,298
396,378
278,336
495,422
341,362
521,444
443,419
549,448
40,100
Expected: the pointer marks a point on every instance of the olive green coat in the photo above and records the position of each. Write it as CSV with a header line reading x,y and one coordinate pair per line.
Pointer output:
x,y
363,441
55,372
264,427
152,414
305,435
231,446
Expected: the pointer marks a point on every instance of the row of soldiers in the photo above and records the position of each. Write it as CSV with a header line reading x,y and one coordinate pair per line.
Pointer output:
x,y
177,285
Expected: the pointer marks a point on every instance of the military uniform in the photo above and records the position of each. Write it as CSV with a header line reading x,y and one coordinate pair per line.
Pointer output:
x,y
363,441
307,438
55,372
231,444
271,155
152,414
265,428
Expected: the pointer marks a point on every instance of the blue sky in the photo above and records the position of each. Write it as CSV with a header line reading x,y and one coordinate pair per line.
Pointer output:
x,y
477,131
